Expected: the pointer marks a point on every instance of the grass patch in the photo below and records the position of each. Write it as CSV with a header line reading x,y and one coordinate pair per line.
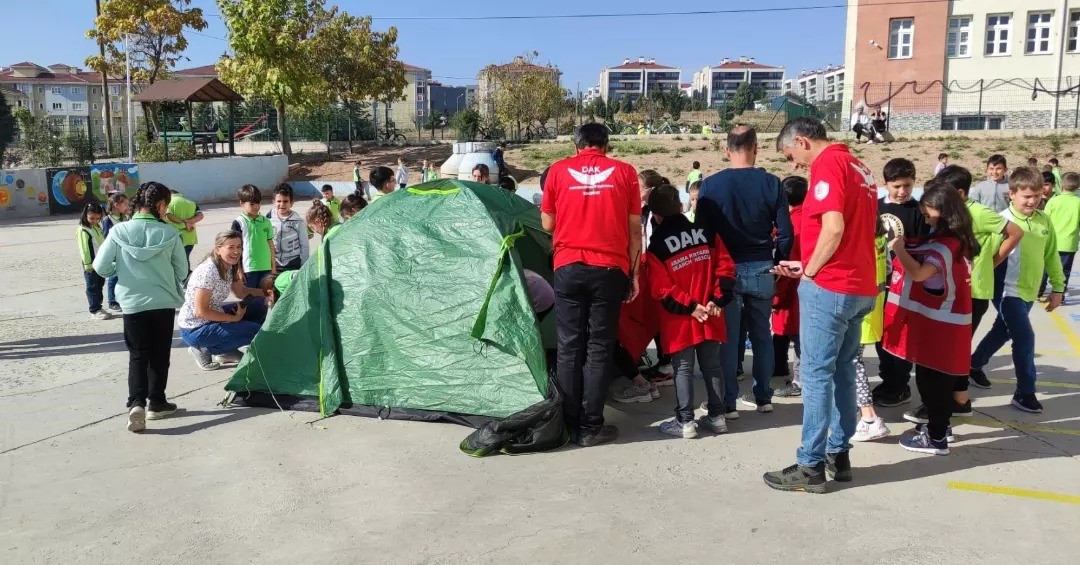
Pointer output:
x,y
677,138
982,155
717,144
685,150
541,157
638,148
691,138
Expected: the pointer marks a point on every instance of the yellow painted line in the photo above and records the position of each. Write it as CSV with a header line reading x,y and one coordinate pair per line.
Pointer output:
x,y
1021,492
1066,330
1040,382
988,423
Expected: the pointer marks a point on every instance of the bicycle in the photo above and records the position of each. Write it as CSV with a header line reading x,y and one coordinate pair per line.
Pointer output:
x,y
390,134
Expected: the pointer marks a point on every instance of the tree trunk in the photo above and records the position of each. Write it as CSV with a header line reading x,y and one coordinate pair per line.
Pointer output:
x,y
328,157
285,147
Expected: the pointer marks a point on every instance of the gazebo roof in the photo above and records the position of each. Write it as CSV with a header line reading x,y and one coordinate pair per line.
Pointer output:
x,y
189,90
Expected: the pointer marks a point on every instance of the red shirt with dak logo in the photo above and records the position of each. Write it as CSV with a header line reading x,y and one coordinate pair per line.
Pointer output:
x,y
592,197
841,183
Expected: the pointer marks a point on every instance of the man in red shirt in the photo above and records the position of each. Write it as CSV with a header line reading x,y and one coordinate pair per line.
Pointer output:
x,y
592,205
839,283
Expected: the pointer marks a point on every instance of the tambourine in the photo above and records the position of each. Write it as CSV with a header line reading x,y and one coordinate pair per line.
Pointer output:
x,y
894,228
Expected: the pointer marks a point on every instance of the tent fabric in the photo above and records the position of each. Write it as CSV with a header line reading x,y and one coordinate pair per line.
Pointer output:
x,y
418,304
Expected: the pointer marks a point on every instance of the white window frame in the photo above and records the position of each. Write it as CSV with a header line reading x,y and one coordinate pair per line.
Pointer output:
x,y
901,37
76,90
114,90
1042,31
77,106
57,90
998,34
58,106
958,37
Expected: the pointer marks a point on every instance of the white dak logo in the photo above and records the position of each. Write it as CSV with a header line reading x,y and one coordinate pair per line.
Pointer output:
x,y
590,177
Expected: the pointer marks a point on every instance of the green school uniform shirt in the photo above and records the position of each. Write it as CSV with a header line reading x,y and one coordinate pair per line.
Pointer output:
x,y
989,228
257,233
184,209
90,240
1036,253
335,207
1064,212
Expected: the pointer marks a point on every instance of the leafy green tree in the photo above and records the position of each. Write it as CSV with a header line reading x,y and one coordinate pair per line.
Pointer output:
x,y
43,145
467,124
525,93
7,127
743,99
626,105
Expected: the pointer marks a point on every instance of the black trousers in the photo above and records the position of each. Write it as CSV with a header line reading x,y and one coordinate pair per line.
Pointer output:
x,y
936,390
587,304
625,365
781,345
148,336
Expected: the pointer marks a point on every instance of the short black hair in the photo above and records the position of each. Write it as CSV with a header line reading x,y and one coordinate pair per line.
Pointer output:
x,y
1032,161
326,187
285,190
1053,161
899,168
664,201
696,165
956,177
508,184
591,135
941,156
997,159
379,176
249,193
802,126
1048,177
741,138
795,187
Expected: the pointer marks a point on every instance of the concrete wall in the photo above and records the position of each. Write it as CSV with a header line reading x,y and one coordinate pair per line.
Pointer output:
x,y
216,180
23,194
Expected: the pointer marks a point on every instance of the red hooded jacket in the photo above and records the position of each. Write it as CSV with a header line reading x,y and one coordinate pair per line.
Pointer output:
x,y
785,318
688,265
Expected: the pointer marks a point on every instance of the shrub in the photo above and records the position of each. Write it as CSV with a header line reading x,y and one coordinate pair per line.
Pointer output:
x,y
685,150
691,138
717,144
80,148
677,138
154,152
638,148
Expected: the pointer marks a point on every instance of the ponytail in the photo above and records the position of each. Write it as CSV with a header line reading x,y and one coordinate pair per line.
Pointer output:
x,y
320,214
149,196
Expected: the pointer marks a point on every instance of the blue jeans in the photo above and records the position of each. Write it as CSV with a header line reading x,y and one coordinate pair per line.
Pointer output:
x,y
1011,322
110,285
754,291
94,284
830,327
707,353
1066,267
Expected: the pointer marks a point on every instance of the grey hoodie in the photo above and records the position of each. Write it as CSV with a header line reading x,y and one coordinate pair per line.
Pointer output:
x,y
147,257
290,240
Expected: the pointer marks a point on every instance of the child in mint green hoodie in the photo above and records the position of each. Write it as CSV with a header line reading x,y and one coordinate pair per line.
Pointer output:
x,y
147,257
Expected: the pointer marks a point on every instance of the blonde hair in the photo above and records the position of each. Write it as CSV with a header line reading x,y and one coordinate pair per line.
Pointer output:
x,y
224,270
1025,178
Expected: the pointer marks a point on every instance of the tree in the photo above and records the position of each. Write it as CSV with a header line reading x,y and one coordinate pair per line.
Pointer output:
x,y
299,54
7,126
525,93
675,102
43,145
467,124
157,41
626,105
743,99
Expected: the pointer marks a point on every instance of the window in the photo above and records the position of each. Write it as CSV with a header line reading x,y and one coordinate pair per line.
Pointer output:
x,y
959,37
997,34
76,106
115,90
115,106
78,123
901,37
971,123
57,90
1074,27
57,106
419,97
1038,33
95,107
19,103
76,90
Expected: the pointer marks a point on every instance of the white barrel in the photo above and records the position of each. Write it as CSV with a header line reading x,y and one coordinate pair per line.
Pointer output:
x,y
478,152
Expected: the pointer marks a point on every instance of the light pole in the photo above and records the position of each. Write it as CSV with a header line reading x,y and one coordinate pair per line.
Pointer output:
x,y
457,103
130,109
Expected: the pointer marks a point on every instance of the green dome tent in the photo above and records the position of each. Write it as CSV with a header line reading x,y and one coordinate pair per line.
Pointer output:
x,y
416,308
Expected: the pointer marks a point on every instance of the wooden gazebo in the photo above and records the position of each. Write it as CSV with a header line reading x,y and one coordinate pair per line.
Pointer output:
x,y
189,90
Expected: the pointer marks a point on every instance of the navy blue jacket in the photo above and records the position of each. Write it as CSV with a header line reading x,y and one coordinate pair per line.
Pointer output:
x,y
744,206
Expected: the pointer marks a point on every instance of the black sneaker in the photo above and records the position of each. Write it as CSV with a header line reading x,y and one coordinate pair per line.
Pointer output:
x,y
797,478
792,390
920,442
838,466
978,378
1027,403
919,415
159,411
890,399
949,436
603,434
962,410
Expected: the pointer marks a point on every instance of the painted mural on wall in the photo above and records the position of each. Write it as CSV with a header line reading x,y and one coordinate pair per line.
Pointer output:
x,y
23,193
70,188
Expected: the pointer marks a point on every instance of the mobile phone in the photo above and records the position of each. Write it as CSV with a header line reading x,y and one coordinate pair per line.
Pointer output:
x,y
246,300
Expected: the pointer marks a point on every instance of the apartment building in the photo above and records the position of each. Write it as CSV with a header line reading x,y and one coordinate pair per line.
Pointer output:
x,y
68,97
966,64
818,86
446,100
488,85
635,79
717,83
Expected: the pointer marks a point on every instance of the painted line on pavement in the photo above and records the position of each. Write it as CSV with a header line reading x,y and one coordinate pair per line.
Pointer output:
x,y
1066,330
1010,491
1050,384
988,423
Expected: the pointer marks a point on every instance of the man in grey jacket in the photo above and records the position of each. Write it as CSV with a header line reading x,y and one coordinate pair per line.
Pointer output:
x,y
994,191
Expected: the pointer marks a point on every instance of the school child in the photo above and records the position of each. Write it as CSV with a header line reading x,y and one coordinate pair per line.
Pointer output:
x,y
942,162
330,201
785,318
928,314
383,181
350,206
184,214
1055,168
871,427
1047,188
994,191
691,211
695,176
290,231
1064,213
90,237
692,276
257,233
1033,163
358,180
115,212
402,175
1016,282
428,173
321,220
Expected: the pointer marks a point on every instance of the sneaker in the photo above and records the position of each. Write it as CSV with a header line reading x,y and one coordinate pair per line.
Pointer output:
x,y
136,419
654,391
919,415
920,442
230,358
870,431
1027,403
962,410
593,437
732,414
978,378
677,429
949,437
838,466
101,315
160,411
749,401
665,369
715,424
792,390
644,363
203,359
797,478
633,392
661,379
115,307
890,399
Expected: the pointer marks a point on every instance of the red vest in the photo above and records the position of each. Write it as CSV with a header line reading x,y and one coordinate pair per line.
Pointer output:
x,y
932,329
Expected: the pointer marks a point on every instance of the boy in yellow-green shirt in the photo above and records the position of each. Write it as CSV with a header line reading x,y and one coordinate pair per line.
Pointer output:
x,y
183,214
1064,212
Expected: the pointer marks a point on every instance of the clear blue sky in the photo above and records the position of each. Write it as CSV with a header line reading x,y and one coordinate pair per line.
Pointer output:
x,y
53,31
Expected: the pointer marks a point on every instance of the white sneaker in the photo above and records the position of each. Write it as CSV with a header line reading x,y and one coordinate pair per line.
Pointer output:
x,y
666,369
715,425
674,428
136,419
101,315
230,358
654,391
870,431
633,392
